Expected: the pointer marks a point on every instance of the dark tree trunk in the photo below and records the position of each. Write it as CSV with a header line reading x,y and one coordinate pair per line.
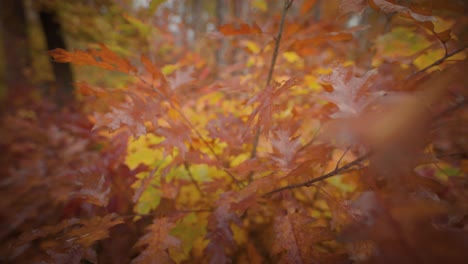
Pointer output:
x,y
62,71
15,43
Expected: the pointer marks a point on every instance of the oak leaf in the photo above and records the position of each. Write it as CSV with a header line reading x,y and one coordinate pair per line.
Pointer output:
x,y
348,91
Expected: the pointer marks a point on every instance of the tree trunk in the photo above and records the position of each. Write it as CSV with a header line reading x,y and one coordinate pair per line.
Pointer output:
x,y
15,44
62,71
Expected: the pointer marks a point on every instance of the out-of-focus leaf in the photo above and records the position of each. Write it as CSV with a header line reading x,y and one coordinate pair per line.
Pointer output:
x,y
388,8
242,29
355,6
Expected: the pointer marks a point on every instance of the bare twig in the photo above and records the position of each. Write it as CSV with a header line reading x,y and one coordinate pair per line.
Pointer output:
x,y
287,5
321,178
341,158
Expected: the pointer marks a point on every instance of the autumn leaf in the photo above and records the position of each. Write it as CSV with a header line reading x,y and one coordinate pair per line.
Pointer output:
x,y
219,232
157,242
355,6
388,8
151,68
181,77
285,148
83,232
176,135
307,6
295,235
242,29
104,58
93,229
306,46
265,108
349,91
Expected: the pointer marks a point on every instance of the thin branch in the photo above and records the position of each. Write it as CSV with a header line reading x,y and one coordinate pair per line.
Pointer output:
x,y
287,5
321,178
341,158
197,186
175,212
439,61
452,108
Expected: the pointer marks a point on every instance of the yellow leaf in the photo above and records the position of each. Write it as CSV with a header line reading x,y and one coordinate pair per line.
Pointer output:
x,y
148,201
139,152
260,5
170,68
251,46
291,57
428,58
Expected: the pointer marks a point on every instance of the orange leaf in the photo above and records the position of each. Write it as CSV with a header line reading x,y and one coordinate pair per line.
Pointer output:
x,y
306,6
231,30
150,67
104,58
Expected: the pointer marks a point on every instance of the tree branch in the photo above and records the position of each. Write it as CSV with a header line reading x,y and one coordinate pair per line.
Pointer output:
x,y
308,183
439,61
287,5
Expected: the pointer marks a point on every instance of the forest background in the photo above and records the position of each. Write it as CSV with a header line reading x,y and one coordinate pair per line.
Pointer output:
x,y
196,131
